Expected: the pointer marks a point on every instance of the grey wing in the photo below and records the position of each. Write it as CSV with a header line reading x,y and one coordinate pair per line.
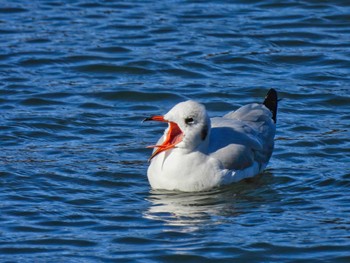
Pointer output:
x,y
243,137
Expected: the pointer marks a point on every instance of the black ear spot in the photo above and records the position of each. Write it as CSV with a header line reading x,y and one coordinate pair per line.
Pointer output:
x,y
204,133
189,120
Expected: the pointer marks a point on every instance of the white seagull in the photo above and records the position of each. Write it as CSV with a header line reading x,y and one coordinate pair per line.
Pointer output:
x,y
197,153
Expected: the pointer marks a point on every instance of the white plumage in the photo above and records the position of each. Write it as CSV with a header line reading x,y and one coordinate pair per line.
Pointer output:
x,y
197,153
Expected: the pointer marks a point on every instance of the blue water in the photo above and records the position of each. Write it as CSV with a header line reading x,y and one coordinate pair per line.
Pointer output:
x,y
77,78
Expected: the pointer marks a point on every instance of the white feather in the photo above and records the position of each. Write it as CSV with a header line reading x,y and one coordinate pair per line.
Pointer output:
x,y
238,145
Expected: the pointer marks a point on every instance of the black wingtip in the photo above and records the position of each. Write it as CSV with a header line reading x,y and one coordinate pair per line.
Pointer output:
x,y
271,101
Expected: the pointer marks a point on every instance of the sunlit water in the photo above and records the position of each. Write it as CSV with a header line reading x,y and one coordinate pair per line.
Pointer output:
x,y
77,78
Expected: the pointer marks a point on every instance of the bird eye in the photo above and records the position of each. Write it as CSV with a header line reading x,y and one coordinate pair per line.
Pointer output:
x,y
189,120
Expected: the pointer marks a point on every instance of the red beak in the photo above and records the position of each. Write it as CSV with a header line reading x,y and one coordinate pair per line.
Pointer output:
x,y
173,137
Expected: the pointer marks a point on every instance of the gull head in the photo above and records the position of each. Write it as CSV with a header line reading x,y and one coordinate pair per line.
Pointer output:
x,y
188,127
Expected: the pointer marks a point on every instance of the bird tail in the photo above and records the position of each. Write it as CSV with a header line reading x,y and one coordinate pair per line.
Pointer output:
x,y
270,102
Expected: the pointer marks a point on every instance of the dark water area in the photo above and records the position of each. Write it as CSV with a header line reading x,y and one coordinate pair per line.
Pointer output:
x,y
77,78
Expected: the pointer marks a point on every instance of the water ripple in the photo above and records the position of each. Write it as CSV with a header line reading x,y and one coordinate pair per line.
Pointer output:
x,y
76,80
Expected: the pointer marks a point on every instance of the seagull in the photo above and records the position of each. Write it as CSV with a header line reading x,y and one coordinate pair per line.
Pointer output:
x,y
198,153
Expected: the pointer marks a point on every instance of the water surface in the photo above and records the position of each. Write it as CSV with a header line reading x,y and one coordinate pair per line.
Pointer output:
x,y
77,78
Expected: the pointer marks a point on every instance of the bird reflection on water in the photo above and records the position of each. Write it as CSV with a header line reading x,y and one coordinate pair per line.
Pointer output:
x,y
195,210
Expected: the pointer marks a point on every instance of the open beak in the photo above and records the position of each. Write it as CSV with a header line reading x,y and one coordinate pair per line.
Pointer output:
x,y
173,136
